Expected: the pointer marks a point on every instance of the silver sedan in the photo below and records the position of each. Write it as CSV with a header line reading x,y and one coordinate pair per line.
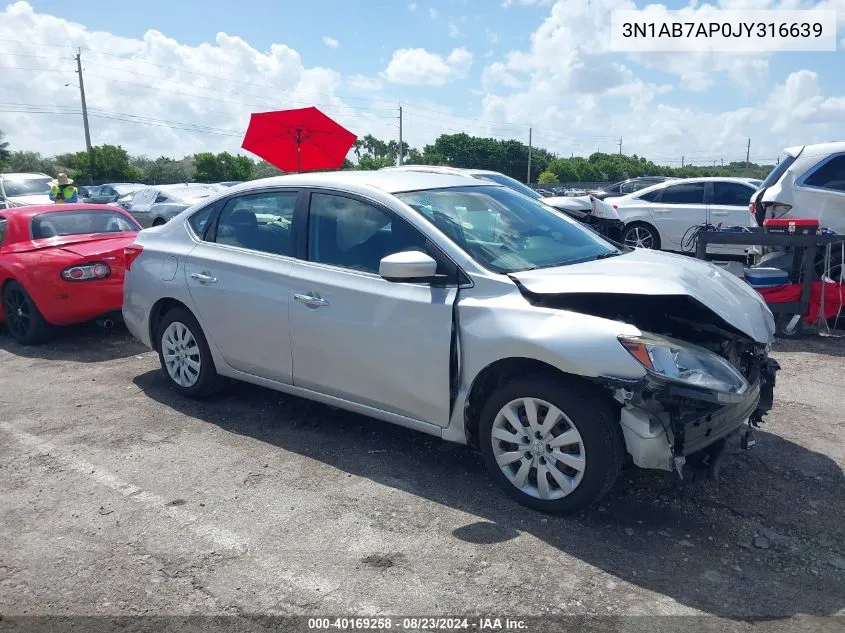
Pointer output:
x,y
462,309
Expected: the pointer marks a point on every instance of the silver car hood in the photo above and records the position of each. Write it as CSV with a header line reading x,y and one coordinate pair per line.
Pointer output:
x,y
646,272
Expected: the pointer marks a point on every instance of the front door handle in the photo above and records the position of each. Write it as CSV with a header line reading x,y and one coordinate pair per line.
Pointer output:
x,y
661,210
204,278
311,300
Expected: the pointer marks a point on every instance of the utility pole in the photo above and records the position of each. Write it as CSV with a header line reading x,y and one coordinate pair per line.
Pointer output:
x,y
78,59
620,146
399,158
748,154
723,162
528,181
682,161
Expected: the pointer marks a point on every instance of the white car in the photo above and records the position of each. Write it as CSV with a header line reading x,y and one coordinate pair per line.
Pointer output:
x,y
808,183
463,309
17,190
155,205
663,216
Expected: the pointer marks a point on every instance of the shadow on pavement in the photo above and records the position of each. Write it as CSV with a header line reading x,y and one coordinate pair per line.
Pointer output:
x,y
85,343
760,543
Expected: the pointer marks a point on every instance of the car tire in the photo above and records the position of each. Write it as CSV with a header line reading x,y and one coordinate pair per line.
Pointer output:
x,y
24,321
577,473
641,235
185,357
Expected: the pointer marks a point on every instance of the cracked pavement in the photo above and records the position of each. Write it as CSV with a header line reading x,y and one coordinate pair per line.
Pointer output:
x,y
120,498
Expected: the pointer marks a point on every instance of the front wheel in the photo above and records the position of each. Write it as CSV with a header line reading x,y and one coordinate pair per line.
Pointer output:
x,y
551,446
641,235
185,357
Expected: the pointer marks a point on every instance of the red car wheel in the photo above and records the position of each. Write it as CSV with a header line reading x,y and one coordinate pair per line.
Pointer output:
x,y
23,320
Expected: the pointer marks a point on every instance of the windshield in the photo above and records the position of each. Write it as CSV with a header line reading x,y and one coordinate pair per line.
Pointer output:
x,y
512,183
27,187
505,231
777,172
57,223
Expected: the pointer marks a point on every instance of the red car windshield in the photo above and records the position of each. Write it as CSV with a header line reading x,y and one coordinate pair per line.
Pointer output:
x,y
59,223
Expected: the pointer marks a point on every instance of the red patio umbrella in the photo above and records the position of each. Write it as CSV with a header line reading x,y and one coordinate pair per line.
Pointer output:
x,y
298,140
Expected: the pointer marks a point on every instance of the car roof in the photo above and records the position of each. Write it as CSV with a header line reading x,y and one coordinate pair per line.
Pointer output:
x,y
388,180
819,149
32,210
23,176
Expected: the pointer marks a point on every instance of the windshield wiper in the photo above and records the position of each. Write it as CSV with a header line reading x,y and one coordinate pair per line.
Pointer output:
x,y
608,254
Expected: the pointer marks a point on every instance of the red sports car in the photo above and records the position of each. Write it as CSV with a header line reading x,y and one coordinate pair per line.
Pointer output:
x,y
61,264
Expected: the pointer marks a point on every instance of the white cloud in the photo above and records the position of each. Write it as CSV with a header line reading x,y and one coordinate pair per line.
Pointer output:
x,y
432,13
158,80
330,42
362,83
417,66
497,74
412,6
454,31
492,36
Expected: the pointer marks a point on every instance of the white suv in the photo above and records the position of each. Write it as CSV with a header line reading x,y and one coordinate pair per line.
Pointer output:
x,y
17,190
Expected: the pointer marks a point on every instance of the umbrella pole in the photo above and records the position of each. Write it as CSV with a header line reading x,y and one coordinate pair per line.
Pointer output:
x,y
298,150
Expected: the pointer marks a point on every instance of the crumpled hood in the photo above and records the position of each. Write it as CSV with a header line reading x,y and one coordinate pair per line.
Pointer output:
x,y
656,273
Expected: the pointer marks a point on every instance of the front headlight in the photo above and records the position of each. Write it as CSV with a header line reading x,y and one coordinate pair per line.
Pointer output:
x,y
684,363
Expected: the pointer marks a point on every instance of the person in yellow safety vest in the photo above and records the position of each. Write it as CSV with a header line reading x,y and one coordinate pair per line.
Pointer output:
x,y
62,190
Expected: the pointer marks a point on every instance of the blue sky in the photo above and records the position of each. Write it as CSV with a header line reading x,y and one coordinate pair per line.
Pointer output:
x,y
490,67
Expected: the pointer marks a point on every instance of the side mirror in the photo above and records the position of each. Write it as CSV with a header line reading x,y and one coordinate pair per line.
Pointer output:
x,y
407,266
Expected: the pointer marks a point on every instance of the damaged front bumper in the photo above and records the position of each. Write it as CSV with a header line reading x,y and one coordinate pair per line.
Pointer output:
x,y
664,422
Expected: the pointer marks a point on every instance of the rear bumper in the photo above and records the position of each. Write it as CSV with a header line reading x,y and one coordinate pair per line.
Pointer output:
x,y
68,303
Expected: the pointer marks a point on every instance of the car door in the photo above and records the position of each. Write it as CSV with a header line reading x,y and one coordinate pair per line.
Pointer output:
x,y
727,205
141,204
357,336
239,279
678,207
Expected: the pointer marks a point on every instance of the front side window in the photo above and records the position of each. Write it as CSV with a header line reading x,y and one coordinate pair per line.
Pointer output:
x,y
504,231
59,223
732,194
260,222
2,229
27,187
353,234
687,193
831,175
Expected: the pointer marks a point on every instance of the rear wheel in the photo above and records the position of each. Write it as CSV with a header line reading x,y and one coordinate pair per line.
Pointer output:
x,y
23,319
185,357
641,235
551,446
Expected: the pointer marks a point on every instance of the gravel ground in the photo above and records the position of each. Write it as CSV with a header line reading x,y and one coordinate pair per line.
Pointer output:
x,y
118,497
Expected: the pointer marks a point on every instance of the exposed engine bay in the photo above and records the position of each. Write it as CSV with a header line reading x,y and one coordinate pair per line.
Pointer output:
x,y
664,421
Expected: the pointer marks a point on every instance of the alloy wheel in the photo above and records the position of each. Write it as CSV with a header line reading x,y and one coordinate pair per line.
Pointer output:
x,y
538,448
18,312
181,354
639,237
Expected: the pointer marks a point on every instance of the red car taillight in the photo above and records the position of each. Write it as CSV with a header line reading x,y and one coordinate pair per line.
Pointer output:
x,y
86,272
130,254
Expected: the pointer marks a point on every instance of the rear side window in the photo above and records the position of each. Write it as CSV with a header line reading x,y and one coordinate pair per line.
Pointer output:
x,y
732,194
651,196
260,222
831,175
687,193
2,229
199,220
777,172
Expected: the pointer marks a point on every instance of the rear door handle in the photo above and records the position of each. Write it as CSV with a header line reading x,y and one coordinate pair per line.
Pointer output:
x,y
718,213
310,300
661,210
204,278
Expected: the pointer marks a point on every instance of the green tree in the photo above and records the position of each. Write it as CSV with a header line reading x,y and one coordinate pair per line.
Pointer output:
x,y
169,170
222,167
5,153
547,178
104,163
265,170
31,162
